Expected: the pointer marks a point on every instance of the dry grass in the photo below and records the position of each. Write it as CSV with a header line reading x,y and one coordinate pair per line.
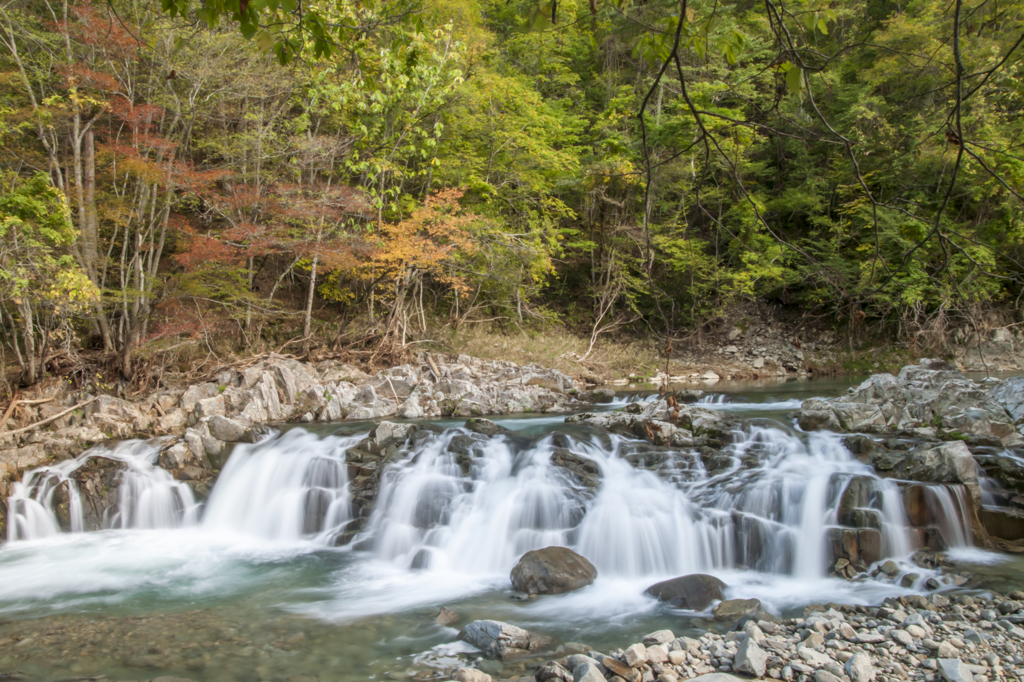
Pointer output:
x,y
555,347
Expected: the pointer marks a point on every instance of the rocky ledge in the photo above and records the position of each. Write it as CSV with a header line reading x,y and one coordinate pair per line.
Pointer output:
x,y
238,403
935,639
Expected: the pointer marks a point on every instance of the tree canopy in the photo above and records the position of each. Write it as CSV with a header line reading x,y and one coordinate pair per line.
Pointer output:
x,y
268,168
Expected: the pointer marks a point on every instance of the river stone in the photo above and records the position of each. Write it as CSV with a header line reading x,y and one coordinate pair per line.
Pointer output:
x,y
635,655
734,609
621,669
659,637
954,670
859,668
552,570
470,675
496,639
587,672
553,671
695,591
750,659
825,676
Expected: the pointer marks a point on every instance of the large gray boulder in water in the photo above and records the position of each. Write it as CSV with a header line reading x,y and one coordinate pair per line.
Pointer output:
x,y
695,591
552,570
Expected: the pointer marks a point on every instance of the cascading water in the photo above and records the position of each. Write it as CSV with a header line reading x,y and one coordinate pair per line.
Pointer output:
x,y
770,508
285,489
950,506
148,497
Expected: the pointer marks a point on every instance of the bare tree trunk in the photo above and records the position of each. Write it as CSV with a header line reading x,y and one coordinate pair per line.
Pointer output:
x,y
307,321
29,376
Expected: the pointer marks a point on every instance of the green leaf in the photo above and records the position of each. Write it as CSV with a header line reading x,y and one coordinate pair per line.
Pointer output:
x,y
823,26
794,79
265,41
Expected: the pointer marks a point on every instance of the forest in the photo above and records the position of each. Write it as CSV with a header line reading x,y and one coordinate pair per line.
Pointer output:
x,y
354,174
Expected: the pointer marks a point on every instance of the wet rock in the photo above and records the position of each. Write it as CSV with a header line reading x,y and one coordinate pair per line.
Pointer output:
x,y
602,395
750,659
696,591
735,609
387,433
552,570
446,617
470,675
496,639
485,427
946,463
553,671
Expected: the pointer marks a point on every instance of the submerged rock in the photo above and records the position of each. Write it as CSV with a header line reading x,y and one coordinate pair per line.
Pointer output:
x,y
496,639
552,570
696,591
735,609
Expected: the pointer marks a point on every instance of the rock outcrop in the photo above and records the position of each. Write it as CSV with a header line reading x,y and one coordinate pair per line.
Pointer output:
x,y
930,399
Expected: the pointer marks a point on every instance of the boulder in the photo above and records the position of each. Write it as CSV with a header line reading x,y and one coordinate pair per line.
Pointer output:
x,y
225,429
696,591
1010,394
552,570
735,609
950,462
496,639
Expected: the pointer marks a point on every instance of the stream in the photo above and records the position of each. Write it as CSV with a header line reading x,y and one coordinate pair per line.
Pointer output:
x,y
249,585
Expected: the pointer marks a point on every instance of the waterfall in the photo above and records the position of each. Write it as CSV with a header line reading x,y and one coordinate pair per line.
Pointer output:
x,y
148,497
768,501
770,509
951,505
284,489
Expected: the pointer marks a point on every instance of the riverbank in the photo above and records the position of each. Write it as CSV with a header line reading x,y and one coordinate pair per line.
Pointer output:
x,y
950,638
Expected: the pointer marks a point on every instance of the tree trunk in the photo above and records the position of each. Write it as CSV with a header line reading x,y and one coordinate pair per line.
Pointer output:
x,y
307,321
29,374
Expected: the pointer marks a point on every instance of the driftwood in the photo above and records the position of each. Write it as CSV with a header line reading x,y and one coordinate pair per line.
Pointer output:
x,y
48,419
10,409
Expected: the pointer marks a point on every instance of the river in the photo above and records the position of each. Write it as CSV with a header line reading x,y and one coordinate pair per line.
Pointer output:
x,y
249,587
